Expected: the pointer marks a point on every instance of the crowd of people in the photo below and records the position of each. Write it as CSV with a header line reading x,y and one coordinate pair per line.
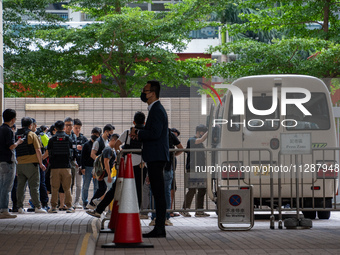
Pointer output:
x,y
58,161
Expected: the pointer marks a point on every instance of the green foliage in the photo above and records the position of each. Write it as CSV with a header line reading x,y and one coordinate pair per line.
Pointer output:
x,y
233,16
305,39
288,56
297,16
19,58
125,45
335,85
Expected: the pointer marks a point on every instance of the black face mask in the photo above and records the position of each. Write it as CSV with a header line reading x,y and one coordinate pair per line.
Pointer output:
x,y
94,137
109,136
143,97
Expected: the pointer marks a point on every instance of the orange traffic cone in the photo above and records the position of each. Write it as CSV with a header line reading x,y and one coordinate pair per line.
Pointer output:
x,y
128,232
114,212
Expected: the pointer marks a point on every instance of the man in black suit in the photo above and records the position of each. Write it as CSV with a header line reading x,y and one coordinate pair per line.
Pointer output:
x,y
155,151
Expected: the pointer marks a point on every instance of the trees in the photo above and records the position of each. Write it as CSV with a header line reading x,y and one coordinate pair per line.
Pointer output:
x,y
294,56
298,16
310,43
233,15
127,46
17,38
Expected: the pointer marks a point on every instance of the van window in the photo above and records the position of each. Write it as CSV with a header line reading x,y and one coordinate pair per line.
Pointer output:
x,y
317,106
221,112
233,118
265,122
220,109
216,131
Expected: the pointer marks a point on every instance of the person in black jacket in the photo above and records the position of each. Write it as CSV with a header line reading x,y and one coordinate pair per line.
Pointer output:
x,y
155,138
102,141
7,160
60,150
87,166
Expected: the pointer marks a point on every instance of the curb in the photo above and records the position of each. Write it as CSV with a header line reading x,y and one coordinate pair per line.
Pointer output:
x,y
88,242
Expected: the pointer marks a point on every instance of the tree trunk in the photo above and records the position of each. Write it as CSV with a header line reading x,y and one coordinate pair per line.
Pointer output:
x,y
326,11
122,87
118,8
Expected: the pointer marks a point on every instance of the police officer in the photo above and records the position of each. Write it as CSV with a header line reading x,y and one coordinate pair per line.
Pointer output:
x,y
60,151
29,158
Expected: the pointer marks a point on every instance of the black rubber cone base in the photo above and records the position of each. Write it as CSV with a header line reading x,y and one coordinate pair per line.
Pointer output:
x,y
293,223
127,245
107,230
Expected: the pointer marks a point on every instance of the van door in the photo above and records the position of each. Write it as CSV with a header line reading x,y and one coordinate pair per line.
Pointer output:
x,y
231,139
317,125
261,132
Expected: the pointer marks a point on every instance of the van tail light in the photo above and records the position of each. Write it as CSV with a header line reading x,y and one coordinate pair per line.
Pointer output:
x,y
231,171
327,169
274,144
244,188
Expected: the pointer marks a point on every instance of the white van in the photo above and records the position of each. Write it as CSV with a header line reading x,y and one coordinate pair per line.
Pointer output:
x,y
318,172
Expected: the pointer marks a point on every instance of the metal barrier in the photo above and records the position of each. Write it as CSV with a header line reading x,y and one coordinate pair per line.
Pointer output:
x,y
212,175
308,187
311,185
185,180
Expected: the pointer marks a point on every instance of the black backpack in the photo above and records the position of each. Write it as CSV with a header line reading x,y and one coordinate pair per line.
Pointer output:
x,y
24,148
134,144
61,146
101,147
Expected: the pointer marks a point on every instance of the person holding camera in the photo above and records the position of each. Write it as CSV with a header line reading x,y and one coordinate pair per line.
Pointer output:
x,y
196,158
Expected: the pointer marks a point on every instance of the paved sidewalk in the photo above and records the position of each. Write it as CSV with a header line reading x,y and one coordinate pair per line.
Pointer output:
x,y
76,233
62,233
202,236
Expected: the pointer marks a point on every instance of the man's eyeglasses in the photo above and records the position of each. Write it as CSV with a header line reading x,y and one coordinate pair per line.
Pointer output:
x,y
68,125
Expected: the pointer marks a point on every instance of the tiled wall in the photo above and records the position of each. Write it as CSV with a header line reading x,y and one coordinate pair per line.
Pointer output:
x,y
119,112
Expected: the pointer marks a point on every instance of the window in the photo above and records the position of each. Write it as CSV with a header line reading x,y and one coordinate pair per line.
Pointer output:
x,y
158,7
57,6
144,6
317,106
204,33
63,16
232,119
262,122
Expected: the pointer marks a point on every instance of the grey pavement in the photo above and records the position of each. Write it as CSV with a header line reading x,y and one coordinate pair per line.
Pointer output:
x,y
62,233
202,236
77,233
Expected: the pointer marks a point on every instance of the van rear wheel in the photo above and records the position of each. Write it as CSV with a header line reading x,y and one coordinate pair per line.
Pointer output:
x,y
309,214
324,215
